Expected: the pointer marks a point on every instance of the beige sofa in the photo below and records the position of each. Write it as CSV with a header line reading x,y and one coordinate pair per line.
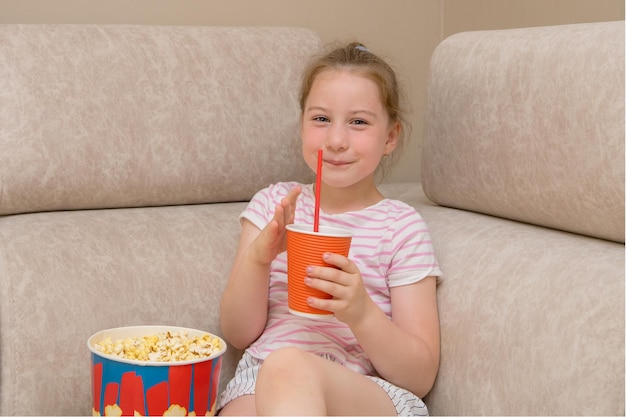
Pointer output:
x,y
127,153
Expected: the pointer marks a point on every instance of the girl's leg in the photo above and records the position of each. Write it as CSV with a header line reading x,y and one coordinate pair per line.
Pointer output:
x,y
294,382
241,406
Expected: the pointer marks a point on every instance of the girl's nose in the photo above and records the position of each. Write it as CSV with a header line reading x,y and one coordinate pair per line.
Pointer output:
x,y
337,139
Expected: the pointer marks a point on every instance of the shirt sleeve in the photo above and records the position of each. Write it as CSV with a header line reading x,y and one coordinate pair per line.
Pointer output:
x,y
413,255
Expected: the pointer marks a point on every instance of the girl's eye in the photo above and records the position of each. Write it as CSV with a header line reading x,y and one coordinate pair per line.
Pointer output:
x,y
359,122
320,119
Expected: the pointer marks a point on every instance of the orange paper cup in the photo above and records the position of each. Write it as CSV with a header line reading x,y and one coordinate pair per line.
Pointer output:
x,y
305,248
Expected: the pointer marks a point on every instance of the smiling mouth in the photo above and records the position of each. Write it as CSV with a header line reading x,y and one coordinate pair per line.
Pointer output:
x,y
337,163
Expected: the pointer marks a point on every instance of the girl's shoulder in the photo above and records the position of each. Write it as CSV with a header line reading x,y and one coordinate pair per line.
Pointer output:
x,y
285,187
277,191
385,218
397,209
397,205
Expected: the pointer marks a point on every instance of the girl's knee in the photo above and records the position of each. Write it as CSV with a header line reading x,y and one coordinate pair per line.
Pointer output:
x,y
287,382
284,363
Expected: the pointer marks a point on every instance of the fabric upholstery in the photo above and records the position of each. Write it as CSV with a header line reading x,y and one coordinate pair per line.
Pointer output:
x,y
69,274
528,124
532,319
146,115
107,116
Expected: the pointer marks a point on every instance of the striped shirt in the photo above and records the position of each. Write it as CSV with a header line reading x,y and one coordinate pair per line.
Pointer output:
x,y
391,247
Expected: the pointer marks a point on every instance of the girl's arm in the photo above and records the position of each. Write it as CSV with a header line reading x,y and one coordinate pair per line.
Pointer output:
x,y
404,350
243,308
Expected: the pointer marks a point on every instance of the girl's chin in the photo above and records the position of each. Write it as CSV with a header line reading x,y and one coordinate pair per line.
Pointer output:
x,y
345,183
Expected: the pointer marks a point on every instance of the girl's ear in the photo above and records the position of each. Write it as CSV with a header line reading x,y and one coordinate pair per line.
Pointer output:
x,y
392,138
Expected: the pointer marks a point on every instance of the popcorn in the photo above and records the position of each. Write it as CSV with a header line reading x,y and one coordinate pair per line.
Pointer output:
x,y
162,347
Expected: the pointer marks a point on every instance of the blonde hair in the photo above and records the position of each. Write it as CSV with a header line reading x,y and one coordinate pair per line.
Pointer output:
x,y
357,58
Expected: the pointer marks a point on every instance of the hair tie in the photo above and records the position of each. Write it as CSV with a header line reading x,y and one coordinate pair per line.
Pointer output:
x,y
361,48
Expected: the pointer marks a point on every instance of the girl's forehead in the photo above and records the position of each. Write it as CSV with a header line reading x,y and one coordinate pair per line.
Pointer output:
x,y
340,77
346,80
336,72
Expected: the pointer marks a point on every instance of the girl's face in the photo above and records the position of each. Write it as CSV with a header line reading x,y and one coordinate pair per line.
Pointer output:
x,y
344,116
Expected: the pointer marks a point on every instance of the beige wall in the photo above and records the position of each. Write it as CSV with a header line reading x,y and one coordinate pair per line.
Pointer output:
x,y
403,31
463,15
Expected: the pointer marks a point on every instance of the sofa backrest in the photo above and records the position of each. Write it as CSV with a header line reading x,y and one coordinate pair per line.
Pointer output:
x,y
124,116
528,124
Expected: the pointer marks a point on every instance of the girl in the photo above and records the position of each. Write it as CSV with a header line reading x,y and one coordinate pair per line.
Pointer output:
x,y
380,352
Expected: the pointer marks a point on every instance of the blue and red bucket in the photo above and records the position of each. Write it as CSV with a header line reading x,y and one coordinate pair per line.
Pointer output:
x,y
133,387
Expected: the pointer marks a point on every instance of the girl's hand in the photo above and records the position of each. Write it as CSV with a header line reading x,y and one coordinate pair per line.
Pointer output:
x,y
271,241
350,302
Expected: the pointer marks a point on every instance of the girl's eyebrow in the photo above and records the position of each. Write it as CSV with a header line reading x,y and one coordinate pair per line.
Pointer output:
x,y
316,108
369,113
355,112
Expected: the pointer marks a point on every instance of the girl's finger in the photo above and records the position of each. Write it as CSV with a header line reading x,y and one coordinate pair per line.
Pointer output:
x,y
326,273
340,262
279,216
321,304
329,287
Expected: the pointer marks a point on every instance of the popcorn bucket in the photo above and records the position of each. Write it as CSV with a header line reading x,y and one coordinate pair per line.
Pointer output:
x,y
123,386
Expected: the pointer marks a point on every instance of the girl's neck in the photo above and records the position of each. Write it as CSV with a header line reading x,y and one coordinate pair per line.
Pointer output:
x,y
341,200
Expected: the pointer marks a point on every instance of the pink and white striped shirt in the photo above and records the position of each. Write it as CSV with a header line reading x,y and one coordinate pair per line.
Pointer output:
x,y
391,246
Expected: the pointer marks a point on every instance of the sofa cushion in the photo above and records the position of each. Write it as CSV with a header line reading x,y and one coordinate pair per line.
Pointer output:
x,y
70,274
532,318
147,115
528,124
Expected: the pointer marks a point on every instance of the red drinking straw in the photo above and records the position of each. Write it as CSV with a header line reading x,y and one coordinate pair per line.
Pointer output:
x,y
318,186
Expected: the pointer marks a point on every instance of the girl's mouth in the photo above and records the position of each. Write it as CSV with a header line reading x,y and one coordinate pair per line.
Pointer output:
x,y
336,163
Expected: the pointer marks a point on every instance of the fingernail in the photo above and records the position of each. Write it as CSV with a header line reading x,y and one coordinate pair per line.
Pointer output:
x,y
307,280
326,255
309,269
